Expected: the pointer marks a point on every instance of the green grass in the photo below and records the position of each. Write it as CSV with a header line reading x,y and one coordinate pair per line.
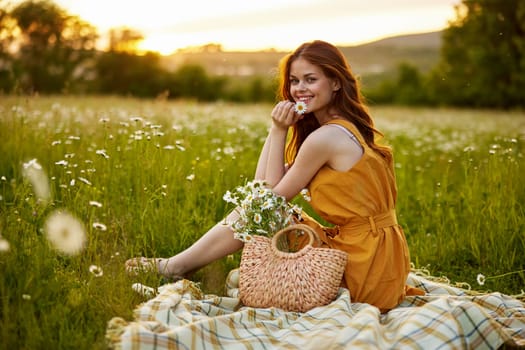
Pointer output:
x,y
460,181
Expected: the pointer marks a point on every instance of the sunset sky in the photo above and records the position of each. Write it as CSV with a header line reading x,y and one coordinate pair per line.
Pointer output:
x,y
252,25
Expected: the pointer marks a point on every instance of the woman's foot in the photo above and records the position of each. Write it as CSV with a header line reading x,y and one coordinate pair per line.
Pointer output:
x,y
160,266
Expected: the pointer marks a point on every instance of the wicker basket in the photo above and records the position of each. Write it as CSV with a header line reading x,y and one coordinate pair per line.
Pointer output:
x,y
296,281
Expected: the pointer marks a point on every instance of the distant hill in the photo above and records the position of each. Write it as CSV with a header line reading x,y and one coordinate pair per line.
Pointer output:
x,y
372,61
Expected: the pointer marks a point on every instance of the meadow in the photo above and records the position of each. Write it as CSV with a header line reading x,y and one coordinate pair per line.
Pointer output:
x,y
146,178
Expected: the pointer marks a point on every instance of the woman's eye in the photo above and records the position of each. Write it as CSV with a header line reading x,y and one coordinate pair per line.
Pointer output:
x,y
310,80
294,81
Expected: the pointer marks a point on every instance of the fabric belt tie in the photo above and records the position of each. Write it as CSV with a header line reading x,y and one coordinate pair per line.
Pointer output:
x,y
365,224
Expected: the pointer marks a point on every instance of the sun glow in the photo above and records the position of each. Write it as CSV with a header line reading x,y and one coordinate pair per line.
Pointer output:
x,y
249,26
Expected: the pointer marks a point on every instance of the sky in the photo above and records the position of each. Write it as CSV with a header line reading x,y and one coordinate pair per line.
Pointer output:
x,y
246,25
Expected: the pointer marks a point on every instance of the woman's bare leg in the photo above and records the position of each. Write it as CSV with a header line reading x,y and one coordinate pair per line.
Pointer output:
x,y
218,242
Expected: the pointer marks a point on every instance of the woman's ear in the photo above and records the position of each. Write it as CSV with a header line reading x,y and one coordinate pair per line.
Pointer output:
x,y
335,85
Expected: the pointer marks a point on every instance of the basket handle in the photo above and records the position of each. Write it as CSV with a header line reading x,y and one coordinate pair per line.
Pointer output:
x,y
302,227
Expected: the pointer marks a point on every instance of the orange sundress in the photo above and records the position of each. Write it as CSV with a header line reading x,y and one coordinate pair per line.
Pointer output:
x,y
360,203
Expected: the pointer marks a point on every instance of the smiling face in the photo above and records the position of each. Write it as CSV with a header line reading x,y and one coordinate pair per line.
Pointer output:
x,y
309,84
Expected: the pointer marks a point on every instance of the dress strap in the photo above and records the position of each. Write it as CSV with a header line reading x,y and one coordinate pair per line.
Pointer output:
x,y
348,132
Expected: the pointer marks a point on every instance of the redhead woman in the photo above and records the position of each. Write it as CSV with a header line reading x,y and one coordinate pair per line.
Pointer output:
x,y
333,151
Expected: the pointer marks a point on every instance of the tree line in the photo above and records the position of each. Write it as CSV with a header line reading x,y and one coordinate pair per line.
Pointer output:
x,y
43,49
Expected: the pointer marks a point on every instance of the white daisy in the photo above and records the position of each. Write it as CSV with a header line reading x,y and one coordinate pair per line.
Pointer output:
x,y
300,107
96,270
99,226
65,232
480,279
257,218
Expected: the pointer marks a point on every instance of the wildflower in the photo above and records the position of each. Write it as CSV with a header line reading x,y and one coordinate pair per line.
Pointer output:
x,y
169,147
136,119
305,195
260,211
95,204
26,296
96,270
99,226
300,107
268,204
65,232
481,279
102,152
34,172
4,245
227,197
190,177
86,181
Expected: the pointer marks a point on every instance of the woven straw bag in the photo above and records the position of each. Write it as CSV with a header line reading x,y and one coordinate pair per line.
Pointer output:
x,y
298,281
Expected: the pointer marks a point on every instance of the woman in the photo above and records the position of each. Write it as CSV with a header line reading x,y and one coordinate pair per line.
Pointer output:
x,y
333,152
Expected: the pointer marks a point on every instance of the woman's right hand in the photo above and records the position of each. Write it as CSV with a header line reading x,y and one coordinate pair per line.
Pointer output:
x,y
284,115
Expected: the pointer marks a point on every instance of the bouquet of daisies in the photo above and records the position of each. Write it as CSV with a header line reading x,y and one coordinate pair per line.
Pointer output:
x,y
261,211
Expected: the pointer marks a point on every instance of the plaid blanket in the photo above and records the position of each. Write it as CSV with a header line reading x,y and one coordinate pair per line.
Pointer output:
x,y
180,316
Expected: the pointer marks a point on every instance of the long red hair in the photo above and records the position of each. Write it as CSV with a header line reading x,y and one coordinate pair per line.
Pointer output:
x,y
347,101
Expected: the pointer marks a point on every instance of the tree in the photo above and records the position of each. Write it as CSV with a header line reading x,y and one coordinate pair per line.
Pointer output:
x,y
124,40
7,29
54,47
192,81
127,73
483,55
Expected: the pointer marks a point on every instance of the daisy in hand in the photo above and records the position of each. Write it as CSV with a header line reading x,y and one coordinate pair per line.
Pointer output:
x,y
300,107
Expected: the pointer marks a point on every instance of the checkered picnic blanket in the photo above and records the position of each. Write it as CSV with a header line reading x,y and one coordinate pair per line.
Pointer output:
x,y
182,317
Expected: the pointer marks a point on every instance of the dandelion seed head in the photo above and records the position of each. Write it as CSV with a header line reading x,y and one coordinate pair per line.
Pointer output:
x,y
65,232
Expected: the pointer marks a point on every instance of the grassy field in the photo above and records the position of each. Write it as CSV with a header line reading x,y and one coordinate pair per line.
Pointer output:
x,y
147,178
